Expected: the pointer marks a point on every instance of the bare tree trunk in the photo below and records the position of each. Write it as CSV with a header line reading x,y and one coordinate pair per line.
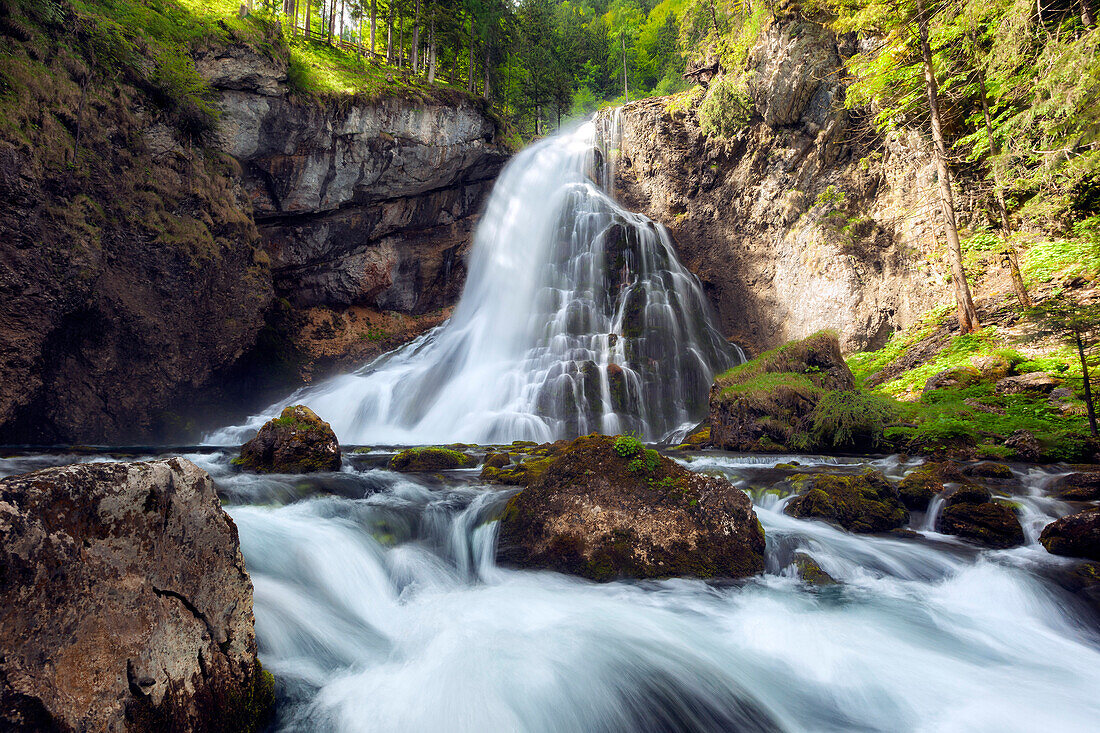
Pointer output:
x,y
626,90
473,67
1086,380
1087,18
309,19
968,315
340,36
431,49
373,23
1009,252
416,39
485,93
400,38
389,36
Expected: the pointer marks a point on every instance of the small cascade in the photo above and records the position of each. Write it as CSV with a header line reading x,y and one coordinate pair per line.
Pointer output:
x,y
577,317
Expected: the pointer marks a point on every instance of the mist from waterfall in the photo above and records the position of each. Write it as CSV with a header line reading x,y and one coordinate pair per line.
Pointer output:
x,y
576,317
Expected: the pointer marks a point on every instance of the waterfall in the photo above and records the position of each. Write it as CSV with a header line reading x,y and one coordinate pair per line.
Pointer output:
x,y
577,317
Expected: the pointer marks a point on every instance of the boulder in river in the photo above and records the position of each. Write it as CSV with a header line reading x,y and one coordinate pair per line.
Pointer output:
x,y
971,513
298,441
864,502
125,604
920,485
430,459
1076,535
1083,486
607,507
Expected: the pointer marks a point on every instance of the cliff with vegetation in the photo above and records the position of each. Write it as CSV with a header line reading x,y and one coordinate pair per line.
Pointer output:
x,y
197,207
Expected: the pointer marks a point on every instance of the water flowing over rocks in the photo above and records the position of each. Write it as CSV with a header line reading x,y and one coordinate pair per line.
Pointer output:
x,y
124,603
806,218
866,502
1076,535
298,441
605,509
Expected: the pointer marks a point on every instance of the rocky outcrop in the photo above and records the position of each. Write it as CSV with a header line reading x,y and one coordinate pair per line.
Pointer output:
x,y
864,502
805,219
430,459
124,603
1077,535
607,508
971,513
298,441
765,404
1083,486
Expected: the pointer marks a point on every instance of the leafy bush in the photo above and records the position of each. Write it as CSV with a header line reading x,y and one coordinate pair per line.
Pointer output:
x,y
726,109
848,418
627,445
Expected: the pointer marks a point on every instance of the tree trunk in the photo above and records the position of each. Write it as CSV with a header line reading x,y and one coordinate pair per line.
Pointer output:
x,y
431,49
373,23
400,38
1087,18
1009,252
389,34
968,315
416,39
626,91
309,19
1086,381
340,35
485,93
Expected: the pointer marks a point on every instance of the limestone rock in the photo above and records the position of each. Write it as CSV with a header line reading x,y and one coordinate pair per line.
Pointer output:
x,y
1034,382
1083,486
1025,445
298,441
124,603
971,514
918,487
793,66
603,513
864,502
958,377
430,459
1077,535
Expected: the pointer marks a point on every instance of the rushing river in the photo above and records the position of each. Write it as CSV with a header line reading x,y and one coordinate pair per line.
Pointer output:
x,y
379,607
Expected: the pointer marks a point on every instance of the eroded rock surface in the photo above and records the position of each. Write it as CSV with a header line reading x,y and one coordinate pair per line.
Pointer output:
x,y
1077,535
124,603
864,502
602,514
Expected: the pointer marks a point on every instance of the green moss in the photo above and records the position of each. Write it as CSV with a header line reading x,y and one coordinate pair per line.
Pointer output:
x,y
430,458
864,502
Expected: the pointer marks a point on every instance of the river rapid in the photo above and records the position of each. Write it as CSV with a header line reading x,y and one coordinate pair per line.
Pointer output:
x,y
379,607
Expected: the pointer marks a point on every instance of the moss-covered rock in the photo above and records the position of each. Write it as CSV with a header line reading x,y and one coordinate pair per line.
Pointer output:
x,y
1077,535
605,508
971,514
1084,486
864,502
430,459
920,485
496,460
810,572
298,441
764,404
988,469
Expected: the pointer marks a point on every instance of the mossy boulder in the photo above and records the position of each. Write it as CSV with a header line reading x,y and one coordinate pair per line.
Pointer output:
x,y
431,458
970,513
496,460
298,441
810,572
765,403
956,378
1077,535
864,502
988,469
920,485
1084,486
608,508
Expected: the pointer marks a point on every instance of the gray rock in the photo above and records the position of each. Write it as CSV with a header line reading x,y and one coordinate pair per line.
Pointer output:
x,y
125,602
1035,382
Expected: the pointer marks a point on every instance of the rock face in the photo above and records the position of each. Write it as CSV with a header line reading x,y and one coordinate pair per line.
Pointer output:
x,y
761,404
168,281
866,502
604,509
298,441
1034,382
805,219
1077,487
971,514
1077,535
124,603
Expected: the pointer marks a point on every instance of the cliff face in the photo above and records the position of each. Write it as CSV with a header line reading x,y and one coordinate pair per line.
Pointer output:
x,y
149,278
805,219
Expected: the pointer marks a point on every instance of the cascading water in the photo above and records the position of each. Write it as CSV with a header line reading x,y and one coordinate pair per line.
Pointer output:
x,y
576,317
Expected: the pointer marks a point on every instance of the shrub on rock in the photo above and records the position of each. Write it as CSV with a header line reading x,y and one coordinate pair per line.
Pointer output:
x,y
298,441
128,578
1077,535
864,502
605,508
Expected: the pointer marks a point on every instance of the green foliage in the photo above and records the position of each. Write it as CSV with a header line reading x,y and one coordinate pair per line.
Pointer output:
x,y
628,445
726,109
647,460
1079,255
847,418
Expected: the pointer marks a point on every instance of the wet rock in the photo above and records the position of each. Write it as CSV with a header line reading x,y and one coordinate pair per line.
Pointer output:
x,y
760,404
1077,535
1024,445
1034,383
431,459
810,572
496,460
298,441
864,502
603,513
920,485
971,514
1076,487
953,378
125,603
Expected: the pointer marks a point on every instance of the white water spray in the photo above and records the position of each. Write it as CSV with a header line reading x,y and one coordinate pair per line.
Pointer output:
x,y
576,317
